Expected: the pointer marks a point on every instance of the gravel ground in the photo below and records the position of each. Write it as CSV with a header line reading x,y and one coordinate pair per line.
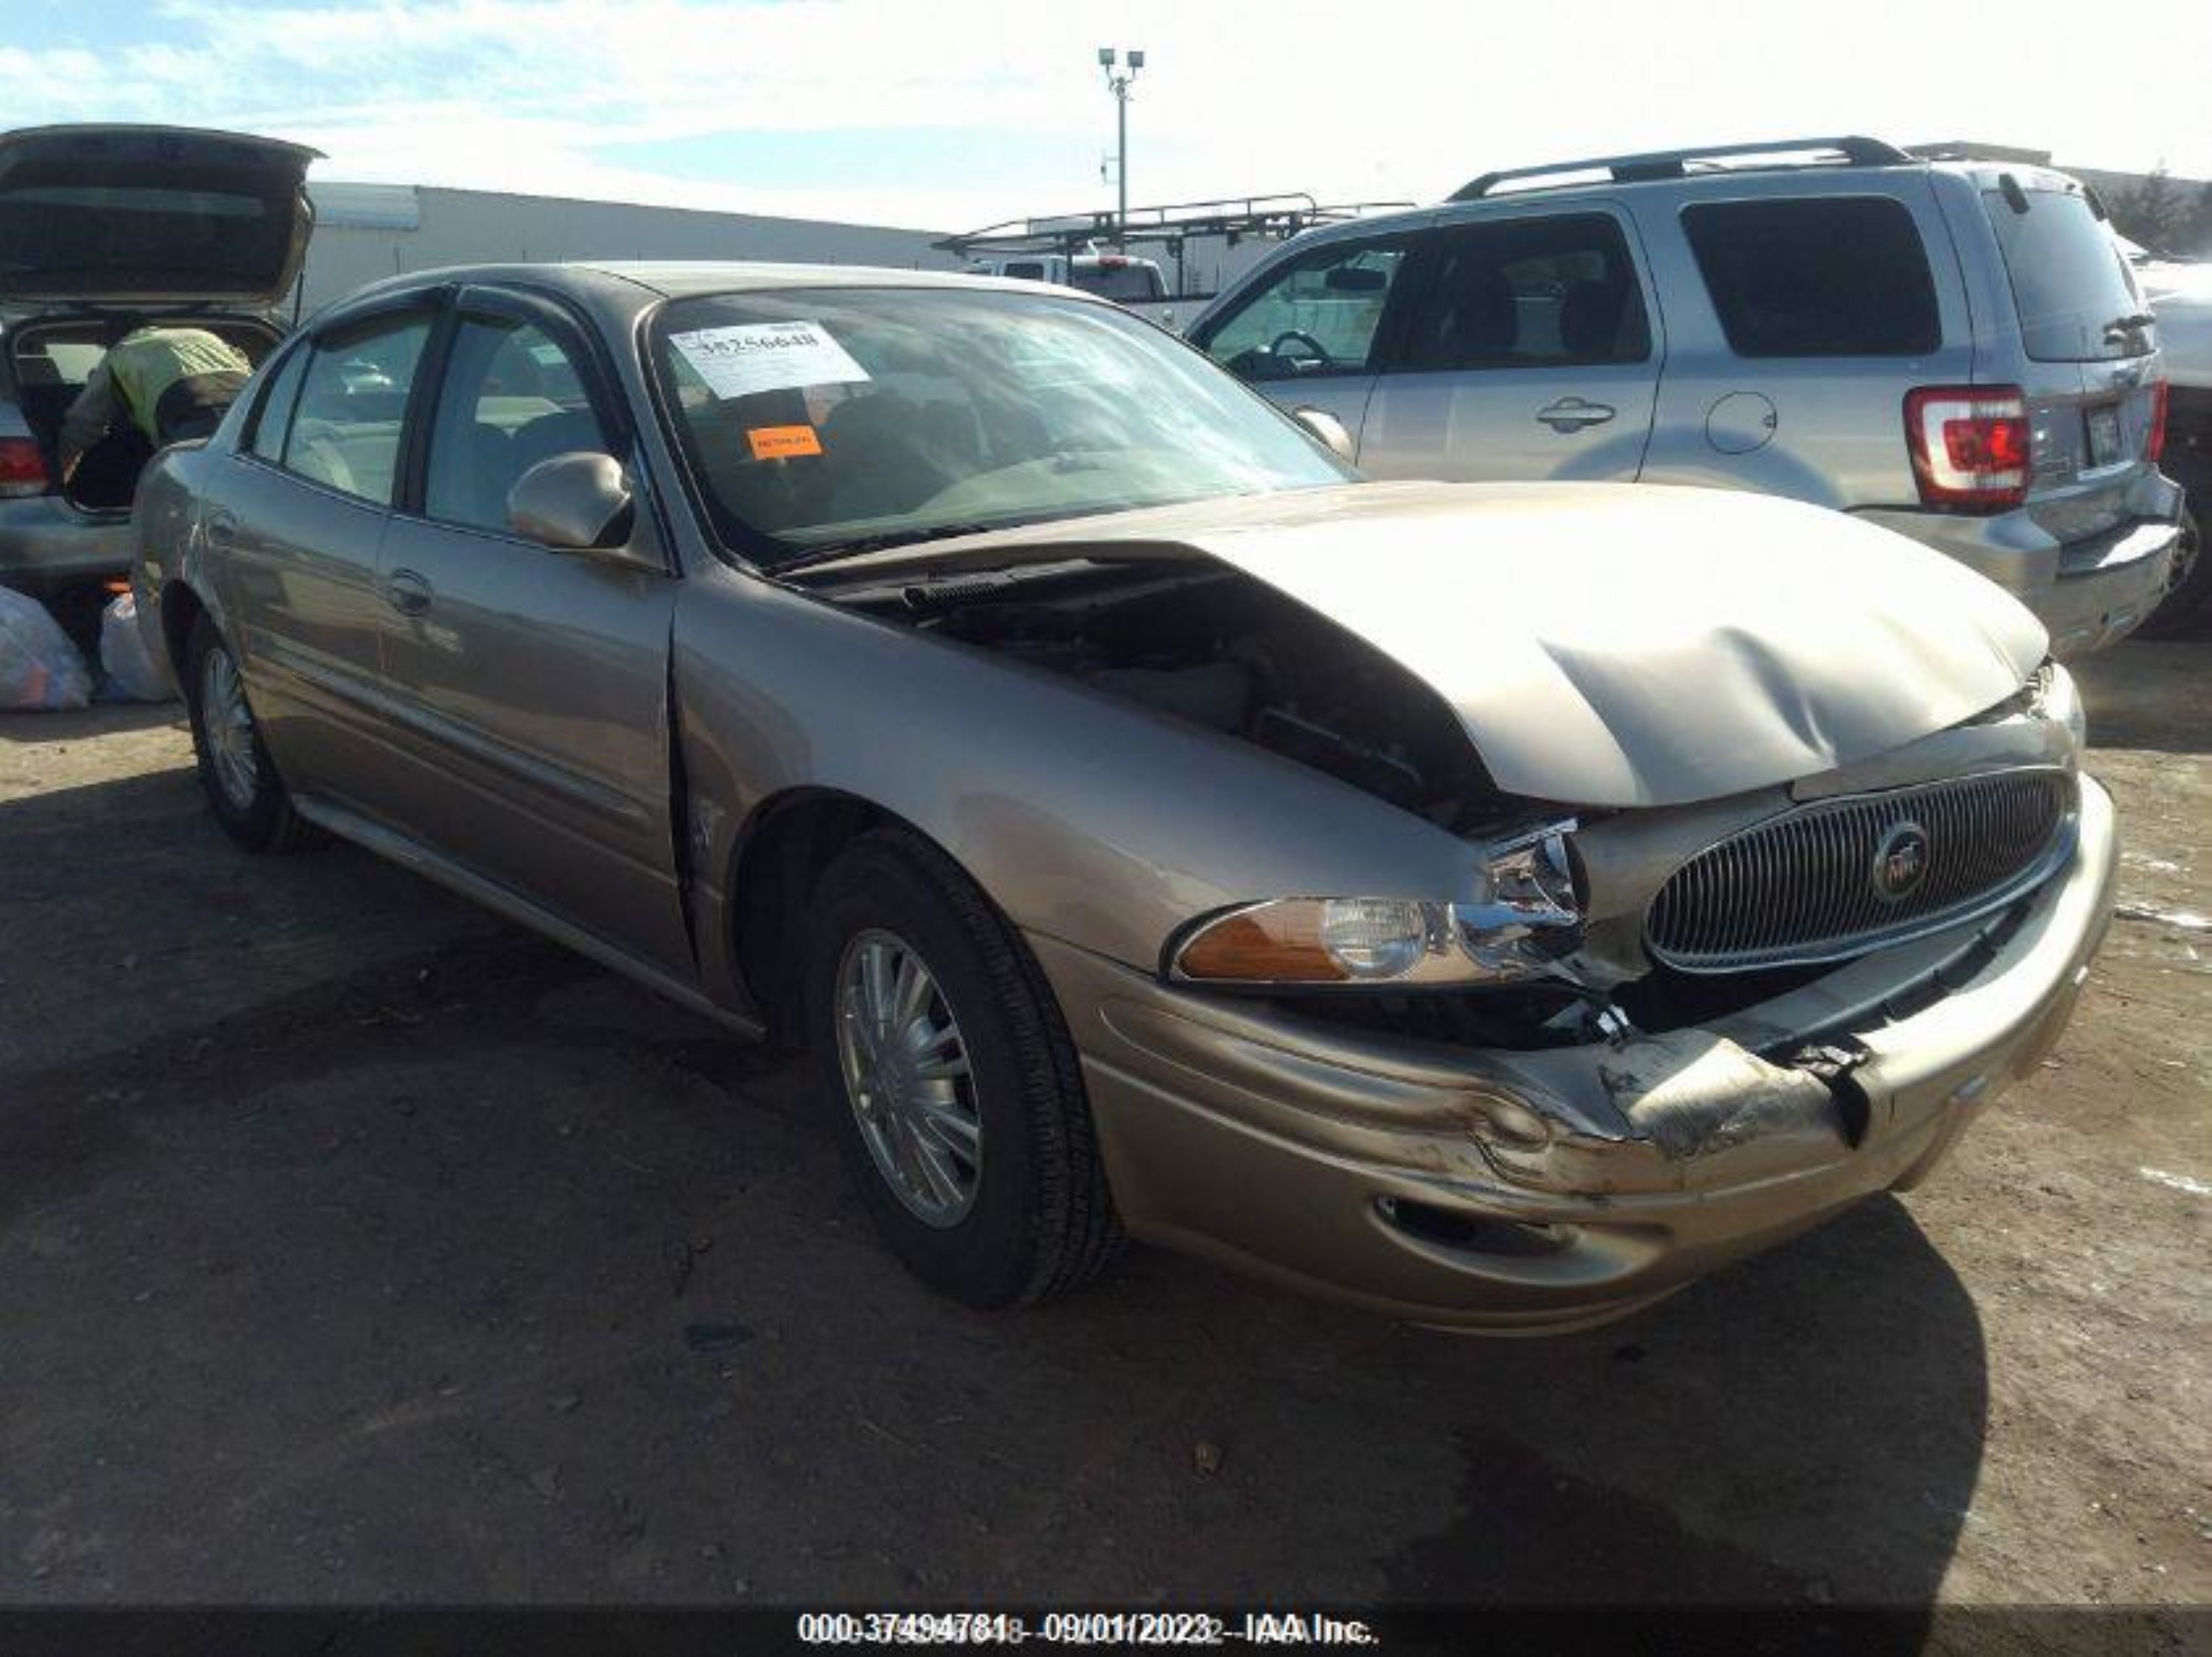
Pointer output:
x,y
355,1247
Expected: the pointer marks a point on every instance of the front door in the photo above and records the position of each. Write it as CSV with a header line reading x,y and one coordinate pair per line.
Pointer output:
x,y
531,686
1306,334
1527,352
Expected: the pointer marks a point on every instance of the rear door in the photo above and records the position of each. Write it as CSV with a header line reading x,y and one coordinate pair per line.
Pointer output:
x,y
1528,351
529,688
295,521
1798,316
1307,333
2087,358
150,214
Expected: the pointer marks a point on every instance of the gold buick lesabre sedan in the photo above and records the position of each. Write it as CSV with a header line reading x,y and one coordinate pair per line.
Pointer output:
x,y
1497,905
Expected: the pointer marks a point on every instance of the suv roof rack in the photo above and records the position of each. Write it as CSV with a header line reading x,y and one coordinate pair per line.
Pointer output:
x,y
1677,163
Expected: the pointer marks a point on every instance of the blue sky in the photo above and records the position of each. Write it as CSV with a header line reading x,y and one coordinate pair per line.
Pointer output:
x,y
949,113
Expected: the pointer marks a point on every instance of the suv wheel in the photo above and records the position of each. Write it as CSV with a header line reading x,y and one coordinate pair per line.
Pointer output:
x,y
243,789
958,1100
2186,610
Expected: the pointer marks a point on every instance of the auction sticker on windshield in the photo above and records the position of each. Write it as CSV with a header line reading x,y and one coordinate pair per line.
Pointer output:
x,y
766,356
783,442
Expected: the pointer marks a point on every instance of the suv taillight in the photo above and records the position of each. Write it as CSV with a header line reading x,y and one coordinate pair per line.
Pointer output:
x,y
1970,445
2155,448
22,468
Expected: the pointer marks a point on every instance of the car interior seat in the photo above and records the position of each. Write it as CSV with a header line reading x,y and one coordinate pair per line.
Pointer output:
x,y
1480,322
467,483
882,462
1591,318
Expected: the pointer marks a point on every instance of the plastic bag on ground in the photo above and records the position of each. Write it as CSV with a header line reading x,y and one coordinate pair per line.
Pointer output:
x,y
133,675
40,668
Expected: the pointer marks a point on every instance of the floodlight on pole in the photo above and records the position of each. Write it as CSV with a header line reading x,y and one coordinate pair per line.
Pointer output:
x,y
1118,84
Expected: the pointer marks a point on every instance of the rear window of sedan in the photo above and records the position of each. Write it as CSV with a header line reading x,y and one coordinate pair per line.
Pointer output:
x,y
813,418
1816,277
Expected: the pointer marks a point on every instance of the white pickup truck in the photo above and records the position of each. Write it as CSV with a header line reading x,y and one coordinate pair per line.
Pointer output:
x,y
1116,277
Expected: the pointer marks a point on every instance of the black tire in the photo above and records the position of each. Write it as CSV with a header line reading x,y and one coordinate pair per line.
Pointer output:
x,y
2185,612
259,818
1040,1222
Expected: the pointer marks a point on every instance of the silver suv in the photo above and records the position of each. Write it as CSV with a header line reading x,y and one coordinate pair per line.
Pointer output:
x,y
102,229
1953,350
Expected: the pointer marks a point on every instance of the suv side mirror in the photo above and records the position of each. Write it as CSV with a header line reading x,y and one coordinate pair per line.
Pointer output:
x,y
577,502
1329,430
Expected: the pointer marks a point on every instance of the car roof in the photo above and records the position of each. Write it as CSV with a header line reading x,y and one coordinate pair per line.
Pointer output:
x,y
618,287
681,278
678,278
1751,179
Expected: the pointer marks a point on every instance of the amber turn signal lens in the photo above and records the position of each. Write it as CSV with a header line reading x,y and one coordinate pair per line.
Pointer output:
x,y
1274,944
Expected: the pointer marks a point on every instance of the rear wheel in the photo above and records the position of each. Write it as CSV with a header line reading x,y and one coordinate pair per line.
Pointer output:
x,y
243,788
958,1100
2185,612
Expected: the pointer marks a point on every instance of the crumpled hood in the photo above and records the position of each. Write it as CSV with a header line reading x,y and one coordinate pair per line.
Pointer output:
x,y
1607,644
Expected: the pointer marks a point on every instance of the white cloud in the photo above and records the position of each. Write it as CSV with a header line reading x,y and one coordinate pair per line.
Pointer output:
x,y
1388,100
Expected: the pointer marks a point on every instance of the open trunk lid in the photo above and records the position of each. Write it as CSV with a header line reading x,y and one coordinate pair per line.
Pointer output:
x,y
150,214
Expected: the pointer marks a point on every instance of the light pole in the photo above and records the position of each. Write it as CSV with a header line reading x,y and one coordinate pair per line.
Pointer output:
x,y
1118,84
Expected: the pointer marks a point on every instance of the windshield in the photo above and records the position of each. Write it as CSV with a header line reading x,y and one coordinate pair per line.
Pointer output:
x,y
2069,278
818,417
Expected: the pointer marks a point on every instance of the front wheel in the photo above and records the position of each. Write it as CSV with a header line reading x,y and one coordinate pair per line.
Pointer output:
x,y
243,789
958,1100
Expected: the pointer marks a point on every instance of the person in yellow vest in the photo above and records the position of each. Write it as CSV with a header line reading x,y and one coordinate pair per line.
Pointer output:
x,y
170,383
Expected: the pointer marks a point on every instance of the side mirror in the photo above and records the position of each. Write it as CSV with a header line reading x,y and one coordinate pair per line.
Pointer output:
x,y
1328,429
575,503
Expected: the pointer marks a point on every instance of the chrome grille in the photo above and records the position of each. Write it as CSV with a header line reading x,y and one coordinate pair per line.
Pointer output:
x,y
1803,886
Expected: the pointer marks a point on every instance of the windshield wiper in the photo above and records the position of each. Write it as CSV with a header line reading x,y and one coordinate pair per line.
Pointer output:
x,y
860,545
2128,324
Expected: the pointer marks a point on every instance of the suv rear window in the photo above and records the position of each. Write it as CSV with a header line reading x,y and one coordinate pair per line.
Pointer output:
x,y
1816,276
2068,279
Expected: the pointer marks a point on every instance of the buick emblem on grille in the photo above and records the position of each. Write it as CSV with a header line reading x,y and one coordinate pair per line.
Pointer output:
x,y
1900,861
1836,878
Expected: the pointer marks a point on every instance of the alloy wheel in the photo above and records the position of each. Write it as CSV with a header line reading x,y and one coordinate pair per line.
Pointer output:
x,y
906,1078
226,724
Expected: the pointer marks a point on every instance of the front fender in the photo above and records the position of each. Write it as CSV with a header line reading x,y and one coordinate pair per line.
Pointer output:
x,y
166,514
1085,818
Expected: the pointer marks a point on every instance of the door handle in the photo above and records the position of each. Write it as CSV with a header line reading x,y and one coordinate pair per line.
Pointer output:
x,y
222,529
407,593
1571,414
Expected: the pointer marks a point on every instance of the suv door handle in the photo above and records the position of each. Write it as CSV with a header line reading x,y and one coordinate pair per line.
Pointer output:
x,y
407,593
1571,414
222,529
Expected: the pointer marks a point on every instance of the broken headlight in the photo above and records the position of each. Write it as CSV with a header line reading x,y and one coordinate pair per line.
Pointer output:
x,y
1523,920
2054,696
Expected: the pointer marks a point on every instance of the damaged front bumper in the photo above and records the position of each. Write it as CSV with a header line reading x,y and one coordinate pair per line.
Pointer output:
x,y
1507,1191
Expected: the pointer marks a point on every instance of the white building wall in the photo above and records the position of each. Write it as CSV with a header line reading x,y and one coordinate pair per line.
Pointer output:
x,y
364,233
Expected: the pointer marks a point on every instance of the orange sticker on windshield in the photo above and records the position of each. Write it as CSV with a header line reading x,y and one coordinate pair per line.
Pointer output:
x,y
783,442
